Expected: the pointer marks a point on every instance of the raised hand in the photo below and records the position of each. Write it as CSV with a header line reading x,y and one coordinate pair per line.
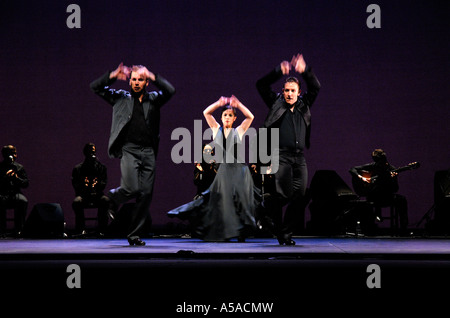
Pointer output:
x,y
298,63
285,67
122,72
148,75
234,102
223,101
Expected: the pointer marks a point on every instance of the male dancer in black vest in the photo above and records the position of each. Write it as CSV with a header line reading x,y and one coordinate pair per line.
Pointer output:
x,y
290,113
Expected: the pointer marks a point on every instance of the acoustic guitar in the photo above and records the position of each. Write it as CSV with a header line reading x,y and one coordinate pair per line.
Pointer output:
x,y
363,186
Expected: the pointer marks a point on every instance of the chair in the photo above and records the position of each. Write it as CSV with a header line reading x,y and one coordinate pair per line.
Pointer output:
x,y
9,217
93,214
392,216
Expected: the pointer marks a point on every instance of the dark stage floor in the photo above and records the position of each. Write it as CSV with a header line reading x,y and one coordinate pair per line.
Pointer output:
x,y
174,273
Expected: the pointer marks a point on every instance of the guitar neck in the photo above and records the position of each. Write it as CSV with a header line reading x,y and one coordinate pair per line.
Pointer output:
x,y
407,167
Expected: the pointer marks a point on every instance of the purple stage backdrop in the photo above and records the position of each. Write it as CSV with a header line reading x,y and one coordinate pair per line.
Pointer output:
x,y
382,87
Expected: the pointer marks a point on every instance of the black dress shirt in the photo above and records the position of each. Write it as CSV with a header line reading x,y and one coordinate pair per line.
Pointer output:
x,y
137,131
292,131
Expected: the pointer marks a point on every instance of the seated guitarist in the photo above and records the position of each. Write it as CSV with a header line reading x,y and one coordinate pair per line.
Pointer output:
x,y
377,181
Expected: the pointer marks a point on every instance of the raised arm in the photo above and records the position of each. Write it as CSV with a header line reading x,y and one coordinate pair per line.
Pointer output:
x,y
101,85
242,128
264,84
312,83
122,72
212,123
166,90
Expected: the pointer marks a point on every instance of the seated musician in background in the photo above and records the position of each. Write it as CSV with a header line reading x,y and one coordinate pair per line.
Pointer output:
x,y
13,179
378,182
265,183
205,172
89,180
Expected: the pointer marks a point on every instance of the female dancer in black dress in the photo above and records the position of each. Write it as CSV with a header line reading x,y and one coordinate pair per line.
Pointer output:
x,y
226,210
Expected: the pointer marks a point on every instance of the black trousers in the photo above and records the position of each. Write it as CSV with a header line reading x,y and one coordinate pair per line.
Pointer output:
x,y
290,188
137,167
100,202
19,203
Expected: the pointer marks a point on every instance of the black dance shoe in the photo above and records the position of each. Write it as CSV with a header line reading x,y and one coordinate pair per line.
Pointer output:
x,y
285,240
136,241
